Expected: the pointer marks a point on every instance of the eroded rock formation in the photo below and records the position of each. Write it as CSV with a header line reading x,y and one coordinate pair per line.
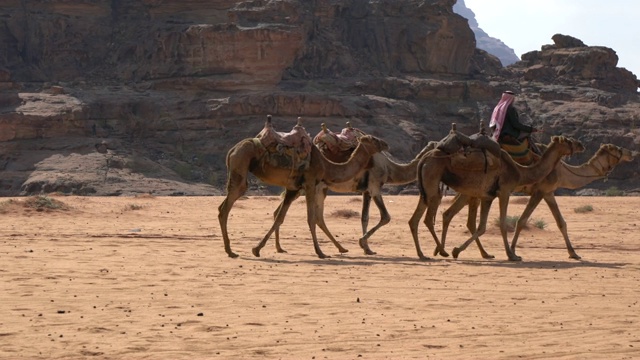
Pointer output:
x,y
170,85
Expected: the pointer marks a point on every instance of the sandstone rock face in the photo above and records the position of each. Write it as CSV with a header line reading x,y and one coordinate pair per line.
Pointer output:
x,y
485,42
153,93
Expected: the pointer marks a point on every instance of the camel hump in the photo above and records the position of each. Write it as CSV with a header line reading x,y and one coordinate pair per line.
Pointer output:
x,y
453,142
474,160
482,141
297,140
335,143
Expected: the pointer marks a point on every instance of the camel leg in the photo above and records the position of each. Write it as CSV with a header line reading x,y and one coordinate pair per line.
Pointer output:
x,y
310,195
277,231
366,204
320,197
485,206
415,221
458,203
471,225
533,202
236,186
504,203
385,218
562,225
289,196
433,202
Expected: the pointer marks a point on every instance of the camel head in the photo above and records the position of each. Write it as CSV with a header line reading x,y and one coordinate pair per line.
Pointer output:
x,y
618,152
568,146
373,144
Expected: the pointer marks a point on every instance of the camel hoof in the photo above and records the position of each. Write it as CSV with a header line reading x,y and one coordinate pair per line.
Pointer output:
x,y
323,256
424,258
256,252
232,254
488,256
575,257
281,251
515,258
343,250
369,252
456,252
442,253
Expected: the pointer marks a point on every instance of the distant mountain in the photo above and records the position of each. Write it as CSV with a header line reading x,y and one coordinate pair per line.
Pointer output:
x,y
483,41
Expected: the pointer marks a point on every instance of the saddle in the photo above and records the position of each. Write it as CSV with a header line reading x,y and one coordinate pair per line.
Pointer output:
x,y
470,152
521,153
286,150
338,145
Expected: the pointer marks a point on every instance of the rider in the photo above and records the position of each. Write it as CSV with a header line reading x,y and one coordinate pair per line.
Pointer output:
x,y
505,122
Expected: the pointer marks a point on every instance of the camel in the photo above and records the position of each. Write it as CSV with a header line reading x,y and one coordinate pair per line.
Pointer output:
x,y
251,155
383,171
564,176
482,176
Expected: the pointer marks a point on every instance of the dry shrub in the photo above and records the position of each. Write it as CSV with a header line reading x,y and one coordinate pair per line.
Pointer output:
x,y
8,206
511,222
523,200
44,203
40,203
345,213
130,207
145,196
583,209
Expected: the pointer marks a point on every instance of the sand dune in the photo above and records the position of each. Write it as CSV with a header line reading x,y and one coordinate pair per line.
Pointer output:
x,y
147,277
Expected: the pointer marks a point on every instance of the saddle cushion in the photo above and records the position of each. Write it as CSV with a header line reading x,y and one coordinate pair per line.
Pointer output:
x,y
296,143
520,153
335,143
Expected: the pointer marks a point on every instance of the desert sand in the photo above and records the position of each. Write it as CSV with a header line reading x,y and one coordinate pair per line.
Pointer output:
x,y
147,277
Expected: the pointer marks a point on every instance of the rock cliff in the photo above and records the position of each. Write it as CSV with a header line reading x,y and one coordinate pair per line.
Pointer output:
x,y
483,41
116,97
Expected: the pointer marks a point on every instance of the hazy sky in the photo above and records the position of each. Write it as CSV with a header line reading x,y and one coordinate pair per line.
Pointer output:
x,y
526,25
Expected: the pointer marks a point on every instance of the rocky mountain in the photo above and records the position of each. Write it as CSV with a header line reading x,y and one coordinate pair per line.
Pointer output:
x,y
118,97
485,42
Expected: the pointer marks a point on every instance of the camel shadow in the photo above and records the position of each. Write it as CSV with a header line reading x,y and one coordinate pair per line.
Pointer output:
x,y
350,260
369,260
544,264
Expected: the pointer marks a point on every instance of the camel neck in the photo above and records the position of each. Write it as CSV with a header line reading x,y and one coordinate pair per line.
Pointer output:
x,y
598,167
342,172
401,174
534,173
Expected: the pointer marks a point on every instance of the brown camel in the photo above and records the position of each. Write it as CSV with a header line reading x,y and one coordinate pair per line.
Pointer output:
x,y
250,155
482,176
383,171
563,176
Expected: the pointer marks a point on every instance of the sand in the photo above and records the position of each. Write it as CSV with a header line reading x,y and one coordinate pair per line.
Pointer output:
x,y
147,277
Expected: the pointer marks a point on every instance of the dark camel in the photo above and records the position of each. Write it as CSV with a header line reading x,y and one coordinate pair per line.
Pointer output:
x,y
493,177
564,176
